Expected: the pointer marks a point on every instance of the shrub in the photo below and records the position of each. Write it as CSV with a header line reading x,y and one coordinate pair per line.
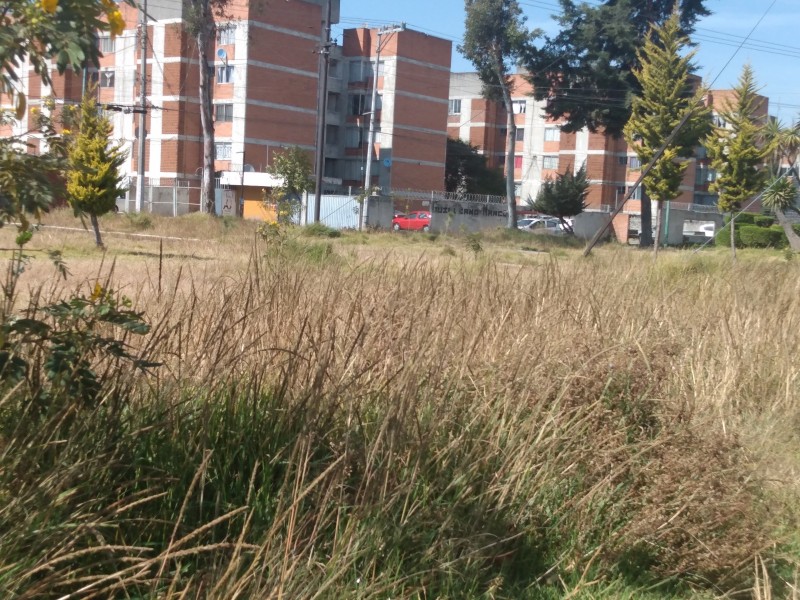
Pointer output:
x,y
755,236
139,221
321,230
764,220
745,218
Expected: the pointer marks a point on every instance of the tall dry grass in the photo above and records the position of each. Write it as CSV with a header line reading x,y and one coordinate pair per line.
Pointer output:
x,y
341,420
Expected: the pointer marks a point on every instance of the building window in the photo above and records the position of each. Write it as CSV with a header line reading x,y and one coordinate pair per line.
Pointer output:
x,y
222,151
517,189
335,69
550,162
225,74
520,134
623,160
105,44
353,170
454,107
107,79
552,134
331,134
356,104
517,162
333,103
223,112
704,174
353,137
226,34
358,70
634,163
620,192
637,195
519,107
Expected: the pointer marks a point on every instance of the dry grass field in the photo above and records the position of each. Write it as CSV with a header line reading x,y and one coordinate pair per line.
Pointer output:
x,y
397,416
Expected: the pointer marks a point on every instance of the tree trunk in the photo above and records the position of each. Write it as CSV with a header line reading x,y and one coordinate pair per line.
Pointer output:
x,y
205,40
511,138
646,233
659,216
733,236
794,239
98,240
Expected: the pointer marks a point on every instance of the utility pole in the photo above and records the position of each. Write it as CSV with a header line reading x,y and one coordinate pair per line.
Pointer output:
x,y
390,29
142,102
322,107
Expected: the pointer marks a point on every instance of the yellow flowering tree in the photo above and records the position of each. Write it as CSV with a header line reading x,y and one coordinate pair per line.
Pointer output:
x,y
93,178
52,35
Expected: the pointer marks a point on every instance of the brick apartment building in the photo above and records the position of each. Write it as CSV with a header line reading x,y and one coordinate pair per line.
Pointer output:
x,y
543,150
265,94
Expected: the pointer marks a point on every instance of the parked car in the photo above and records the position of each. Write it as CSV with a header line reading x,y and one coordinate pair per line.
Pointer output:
x,y
708,230
413,221
549,225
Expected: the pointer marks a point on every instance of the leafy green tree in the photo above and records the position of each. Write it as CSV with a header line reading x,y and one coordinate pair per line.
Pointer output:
x,y
585,71
495,38
736,150
665,98
466,171
294,169
93,177
562,197
63,31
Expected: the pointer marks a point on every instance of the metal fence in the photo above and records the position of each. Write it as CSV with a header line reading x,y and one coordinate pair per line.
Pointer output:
x,y
339,212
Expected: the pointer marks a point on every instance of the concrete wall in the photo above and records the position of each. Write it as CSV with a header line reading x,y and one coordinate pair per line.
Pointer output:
x,y
380,212
586,224
451,216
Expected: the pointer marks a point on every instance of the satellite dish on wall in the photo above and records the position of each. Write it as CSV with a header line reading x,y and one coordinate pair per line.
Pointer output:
x,y
222,55
387,162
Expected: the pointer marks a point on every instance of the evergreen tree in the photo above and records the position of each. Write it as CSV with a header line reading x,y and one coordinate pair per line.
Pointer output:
x,y
666,97
563,196
93,177
495,38
466,171
585,72
736,150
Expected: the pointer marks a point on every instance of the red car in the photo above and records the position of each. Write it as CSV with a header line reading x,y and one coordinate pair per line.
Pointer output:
x,y
414,221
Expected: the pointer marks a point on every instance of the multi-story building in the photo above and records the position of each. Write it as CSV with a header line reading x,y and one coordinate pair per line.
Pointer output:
x,y
411,109
543,150
265,72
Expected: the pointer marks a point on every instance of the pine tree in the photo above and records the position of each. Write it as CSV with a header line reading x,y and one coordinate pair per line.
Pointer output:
x,y
93,177
736,151
665,98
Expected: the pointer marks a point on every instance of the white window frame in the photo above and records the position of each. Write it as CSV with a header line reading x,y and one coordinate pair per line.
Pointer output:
x,y
226,34
106,44
107,78
549,160
223,150
519,107
225,74
454,106
552,134
224,109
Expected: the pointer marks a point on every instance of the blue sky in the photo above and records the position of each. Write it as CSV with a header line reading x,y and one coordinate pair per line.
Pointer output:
x,y
773,49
